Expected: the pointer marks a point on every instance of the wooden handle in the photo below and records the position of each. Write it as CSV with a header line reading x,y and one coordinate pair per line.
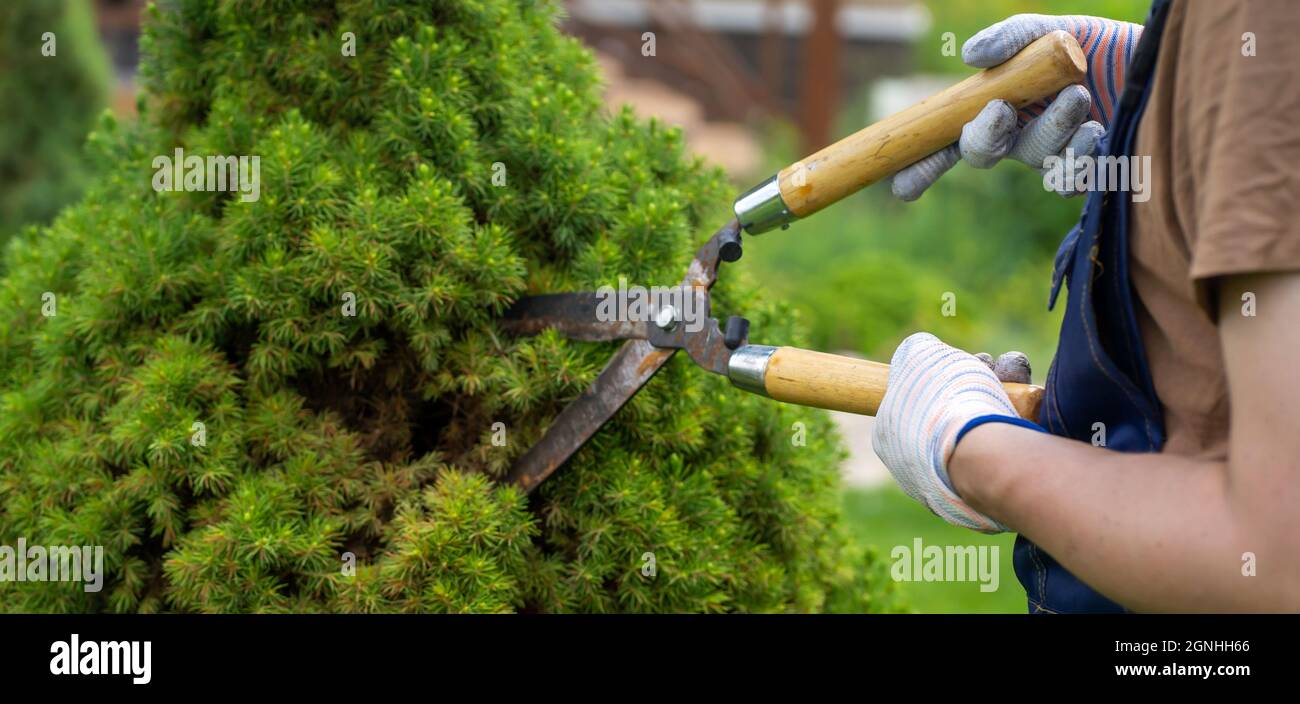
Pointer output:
x,y
853,385
1040,70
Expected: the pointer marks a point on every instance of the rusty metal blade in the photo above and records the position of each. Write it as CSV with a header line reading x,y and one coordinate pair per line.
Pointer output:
x,y
627,371
573,315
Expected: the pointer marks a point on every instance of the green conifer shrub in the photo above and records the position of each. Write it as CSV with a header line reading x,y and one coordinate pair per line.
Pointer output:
x,y
50,105
326,435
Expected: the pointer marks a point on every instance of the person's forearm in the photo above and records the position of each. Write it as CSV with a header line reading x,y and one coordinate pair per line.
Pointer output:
x,y
1154,532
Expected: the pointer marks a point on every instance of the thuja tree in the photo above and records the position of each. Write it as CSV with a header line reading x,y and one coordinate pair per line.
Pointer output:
x,y
303,402
54,77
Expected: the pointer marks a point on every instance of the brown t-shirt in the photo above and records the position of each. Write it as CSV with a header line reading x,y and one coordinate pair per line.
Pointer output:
x,y
1222,127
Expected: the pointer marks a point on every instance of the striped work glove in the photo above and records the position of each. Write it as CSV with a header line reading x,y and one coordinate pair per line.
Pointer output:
x,y
1077,119
935,394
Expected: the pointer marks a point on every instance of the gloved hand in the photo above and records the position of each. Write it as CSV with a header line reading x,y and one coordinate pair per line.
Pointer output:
x,y
935,394
1049,127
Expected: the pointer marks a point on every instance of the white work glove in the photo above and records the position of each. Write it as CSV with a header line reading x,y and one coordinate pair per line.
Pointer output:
x,y
936,393
1049,129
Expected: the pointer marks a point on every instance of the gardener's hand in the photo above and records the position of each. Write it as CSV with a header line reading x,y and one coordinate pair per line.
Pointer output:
x,y
1077,119
935,394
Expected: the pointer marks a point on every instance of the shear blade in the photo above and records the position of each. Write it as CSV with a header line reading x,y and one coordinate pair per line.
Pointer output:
x,y
574,315
627,371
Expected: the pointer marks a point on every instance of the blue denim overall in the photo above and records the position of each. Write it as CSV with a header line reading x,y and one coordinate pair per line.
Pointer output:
x,y
1100,372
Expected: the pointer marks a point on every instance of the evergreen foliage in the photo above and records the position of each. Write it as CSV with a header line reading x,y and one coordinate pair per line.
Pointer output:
x,y
326,434
50,106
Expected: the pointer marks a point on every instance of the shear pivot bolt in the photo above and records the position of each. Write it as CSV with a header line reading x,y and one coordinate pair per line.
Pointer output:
x,y
666,319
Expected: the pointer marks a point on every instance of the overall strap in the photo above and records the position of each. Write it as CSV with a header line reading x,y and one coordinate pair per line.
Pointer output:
x,y
1099,378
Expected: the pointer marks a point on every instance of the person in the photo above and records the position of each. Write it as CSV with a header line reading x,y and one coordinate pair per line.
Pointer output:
x,y
1163,473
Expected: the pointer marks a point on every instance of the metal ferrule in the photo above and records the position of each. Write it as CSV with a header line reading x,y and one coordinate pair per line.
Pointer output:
x,y
762,208
747,367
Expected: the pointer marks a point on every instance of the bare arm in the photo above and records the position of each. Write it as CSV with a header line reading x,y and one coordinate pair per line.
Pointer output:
x,y
1158,532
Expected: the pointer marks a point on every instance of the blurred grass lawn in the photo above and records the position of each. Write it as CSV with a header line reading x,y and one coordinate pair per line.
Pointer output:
x,y
886,517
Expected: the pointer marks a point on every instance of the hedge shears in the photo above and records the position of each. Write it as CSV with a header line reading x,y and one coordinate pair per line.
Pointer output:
x,y
788,374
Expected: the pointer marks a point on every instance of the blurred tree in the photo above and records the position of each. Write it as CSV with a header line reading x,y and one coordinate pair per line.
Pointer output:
x,y
820,89
54,77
